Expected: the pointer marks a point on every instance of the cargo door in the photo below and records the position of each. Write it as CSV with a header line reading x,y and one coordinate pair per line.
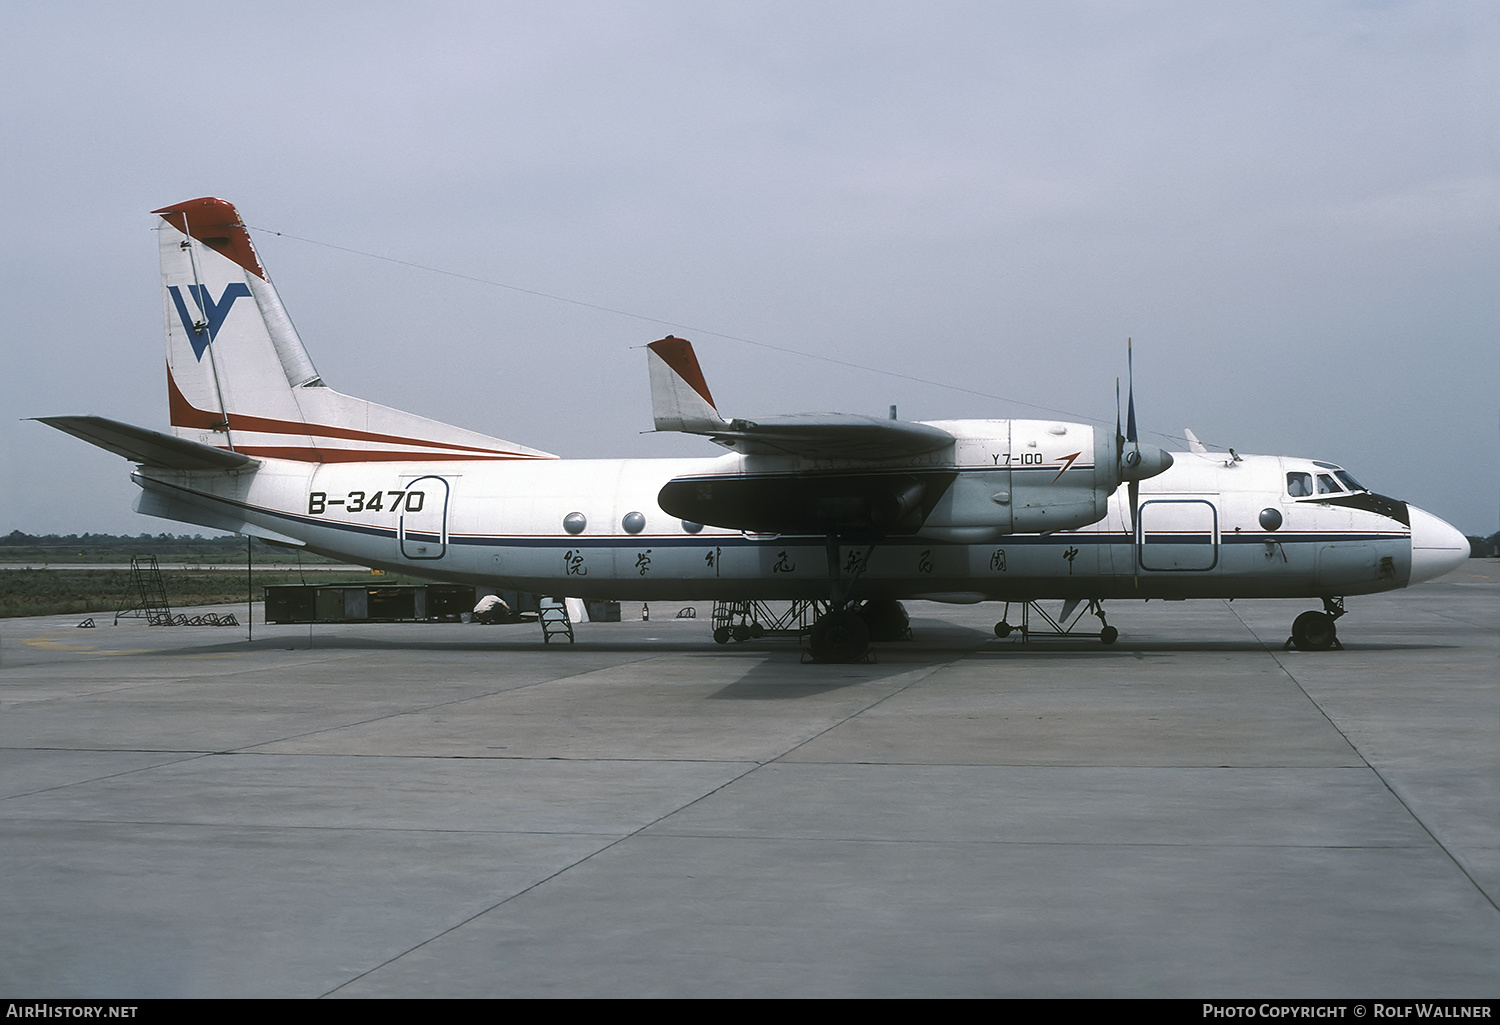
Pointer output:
x,y
1178,535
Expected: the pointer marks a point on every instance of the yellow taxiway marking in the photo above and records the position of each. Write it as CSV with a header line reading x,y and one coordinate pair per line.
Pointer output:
x,y
48,643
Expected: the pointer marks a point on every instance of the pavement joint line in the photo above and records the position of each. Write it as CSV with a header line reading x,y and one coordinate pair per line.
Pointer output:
x,y
1162,844
187,757
407,711
190,752
917,677
279,827
528,889
752,767
1390,789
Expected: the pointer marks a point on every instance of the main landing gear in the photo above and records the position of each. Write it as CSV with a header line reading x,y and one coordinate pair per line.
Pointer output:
x,y
844,635
844,632
839,635
1315,631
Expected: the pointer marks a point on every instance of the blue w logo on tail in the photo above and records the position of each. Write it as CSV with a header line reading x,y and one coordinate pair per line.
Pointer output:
x,y
205,327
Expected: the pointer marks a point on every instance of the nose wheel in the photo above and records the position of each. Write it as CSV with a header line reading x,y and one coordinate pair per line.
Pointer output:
x,y
1315,631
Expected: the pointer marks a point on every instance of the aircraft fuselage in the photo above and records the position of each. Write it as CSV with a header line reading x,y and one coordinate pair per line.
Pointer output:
x,y
594,529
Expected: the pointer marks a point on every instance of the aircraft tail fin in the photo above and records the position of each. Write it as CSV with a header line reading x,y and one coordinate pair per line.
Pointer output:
x,y
680,399
239,377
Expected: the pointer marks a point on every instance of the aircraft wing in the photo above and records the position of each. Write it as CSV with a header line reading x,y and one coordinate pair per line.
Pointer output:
x,y
830,435
889,498
149,448
681,401
876,488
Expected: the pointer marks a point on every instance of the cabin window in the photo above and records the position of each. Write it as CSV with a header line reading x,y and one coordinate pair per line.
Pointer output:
x,y
1299,484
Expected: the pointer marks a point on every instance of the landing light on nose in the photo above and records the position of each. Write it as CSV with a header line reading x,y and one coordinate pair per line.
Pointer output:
x,y
1437,547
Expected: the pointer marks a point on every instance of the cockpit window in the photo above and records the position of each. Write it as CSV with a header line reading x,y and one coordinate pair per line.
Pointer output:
x,y
1349,481
1299,484
1327,485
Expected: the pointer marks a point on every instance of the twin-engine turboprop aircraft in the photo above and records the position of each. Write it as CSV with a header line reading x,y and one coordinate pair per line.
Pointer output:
x,y
855,513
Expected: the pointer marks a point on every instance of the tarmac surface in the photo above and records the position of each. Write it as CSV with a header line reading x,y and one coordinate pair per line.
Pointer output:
x,y
421,810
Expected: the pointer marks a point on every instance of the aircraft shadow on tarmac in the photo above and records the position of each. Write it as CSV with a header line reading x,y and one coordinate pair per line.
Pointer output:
x,y
934,641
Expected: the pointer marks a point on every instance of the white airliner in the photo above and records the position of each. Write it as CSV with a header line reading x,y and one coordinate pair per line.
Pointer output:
x,y
855,512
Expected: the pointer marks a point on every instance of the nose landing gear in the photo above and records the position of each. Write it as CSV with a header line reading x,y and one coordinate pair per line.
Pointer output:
x,y
1315,631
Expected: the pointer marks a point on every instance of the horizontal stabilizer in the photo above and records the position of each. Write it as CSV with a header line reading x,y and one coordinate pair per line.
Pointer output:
x,y
149,448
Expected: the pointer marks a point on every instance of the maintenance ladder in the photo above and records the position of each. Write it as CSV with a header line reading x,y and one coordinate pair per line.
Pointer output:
x,y
552,613
146,596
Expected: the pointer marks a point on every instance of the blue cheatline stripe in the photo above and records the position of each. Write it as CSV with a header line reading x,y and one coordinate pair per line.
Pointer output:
x,y
1005,540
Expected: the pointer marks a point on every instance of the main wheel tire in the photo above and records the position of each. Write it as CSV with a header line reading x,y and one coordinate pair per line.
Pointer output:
x,y
1314,631
886,619
840,637
1109,635
721,635
741,633
1002,629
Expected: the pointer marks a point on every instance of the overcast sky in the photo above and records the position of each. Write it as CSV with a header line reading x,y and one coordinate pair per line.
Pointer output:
x,y
1293,208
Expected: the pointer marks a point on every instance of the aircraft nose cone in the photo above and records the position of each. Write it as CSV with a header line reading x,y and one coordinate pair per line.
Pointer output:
x,y
1437,547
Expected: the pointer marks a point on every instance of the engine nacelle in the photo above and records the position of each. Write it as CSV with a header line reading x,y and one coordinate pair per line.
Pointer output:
x,y
1030,477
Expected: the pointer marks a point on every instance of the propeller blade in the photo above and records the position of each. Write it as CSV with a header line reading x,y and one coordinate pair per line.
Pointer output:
x,y
1135,537
1132,459
1134,462
1119,438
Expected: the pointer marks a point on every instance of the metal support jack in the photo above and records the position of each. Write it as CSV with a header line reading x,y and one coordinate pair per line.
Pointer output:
x,y
1064,625
743,620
